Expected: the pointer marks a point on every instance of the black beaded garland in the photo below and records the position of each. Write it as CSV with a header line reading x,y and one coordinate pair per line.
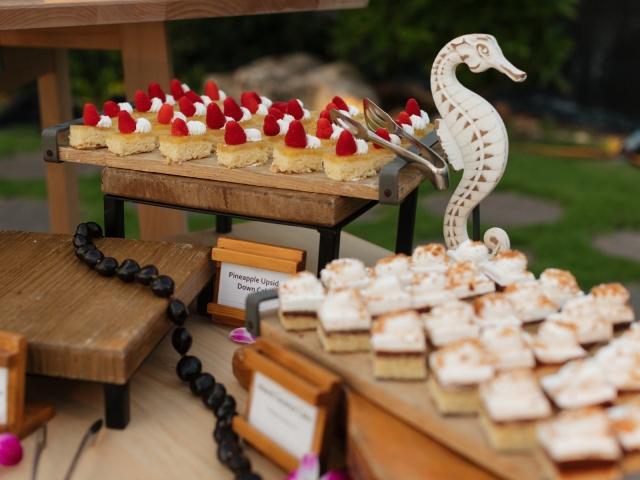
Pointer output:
x,y
83,229
221,435
188,367
228,407
162,286
80,251
226,421
239,464
226,450
248,476
177,312
80,241
202,383
92,257
107,267
215,397
181,340
95,229
127,270
146,274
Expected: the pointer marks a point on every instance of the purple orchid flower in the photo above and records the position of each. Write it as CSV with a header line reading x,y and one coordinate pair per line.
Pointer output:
x,y
309,469
242,335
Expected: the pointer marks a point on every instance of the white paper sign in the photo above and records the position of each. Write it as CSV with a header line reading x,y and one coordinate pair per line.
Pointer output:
x,y
238,281
285,418
4,393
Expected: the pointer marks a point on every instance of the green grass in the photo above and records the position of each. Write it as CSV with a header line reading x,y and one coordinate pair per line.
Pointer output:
x,y
19,139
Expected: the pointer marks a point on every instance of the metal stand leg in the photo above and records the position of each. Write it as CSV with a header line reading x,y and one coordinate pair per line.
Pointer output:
x,y
223,224
116,405
113,217
476,223
329,248
205,297
406,223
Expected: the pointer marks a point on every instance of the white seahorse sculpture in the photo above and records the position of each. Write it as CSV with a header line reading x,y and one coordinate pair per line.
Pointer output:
x,y
471,132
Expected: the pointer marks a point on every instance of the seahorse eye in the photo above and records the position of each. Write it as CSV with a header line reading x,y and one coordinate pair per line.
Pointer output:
x,y
483,50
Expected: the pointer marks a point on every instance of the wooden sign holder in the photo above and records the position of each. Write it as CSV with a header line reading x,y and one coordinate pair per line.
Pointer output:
x,y
252,254
303,378
22,419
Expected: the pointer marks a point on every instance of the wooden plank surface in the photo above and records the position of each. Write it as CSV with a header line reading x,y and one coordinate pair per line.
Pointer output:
x,y
79,324
409,401
17,14
208,168
264,202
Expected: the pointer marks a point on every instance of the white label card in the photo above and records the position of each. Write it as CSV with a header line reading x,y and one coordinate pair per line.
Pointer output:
x,y
285,418
4,394
238,281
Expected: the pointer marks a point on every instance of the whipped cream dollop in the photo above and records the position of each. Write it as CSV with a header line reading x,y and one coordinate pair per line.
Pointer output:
x,y
354,111
206,100
470,251
398,332
397,265
196,128
581,313
430,258
556,343
305,114
156,104
466,280
246,114
384,295
313,142
262,110
253,135
344,309
336,131
126,107
284,126
625,420
428,290
451,322
528,301
301,292
395,139
288,118
559,285
579,383
510,347
143,126
425,116
178,115
170,100
407,128
344,272
185,87
495,310
620,361
266,101
514,395
104,122
201,109
462,363
361,146
417,122
223,96
612,302
507,267
581,434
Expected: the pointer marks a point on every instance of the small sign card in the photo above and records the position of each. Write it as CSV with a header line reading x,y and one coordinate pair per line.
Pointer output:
x,y
245,267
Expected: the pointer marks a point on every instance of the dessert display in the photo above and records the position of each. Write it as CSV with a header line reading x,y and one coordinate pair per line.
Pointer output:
x,y
470,251
166,116
143,106
295,108
582,314
274,130
241,148
328,133
300,152
506,268
383,155
528,301
467,281
300,296
384,295
509,346
188,141
495,310
344,322
213,93
111,109
192,110
430,258
428,290
216,122
339,104
612,301
418,118
559,285
625,420
235,112
555,344
398,346
351,160
344,272
93,132
451,322
133,136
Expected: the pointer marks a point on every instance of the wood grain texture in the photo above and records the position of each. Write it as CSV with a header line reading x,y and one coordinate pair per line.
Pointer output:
x,y
380,447
408,401
95,37
79,324
18,14
265,202
208,169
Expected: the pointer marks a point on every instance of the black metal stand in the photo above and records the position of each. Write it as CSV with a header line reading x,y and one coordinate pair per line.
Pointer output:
x,y
476,223
406,223
116,404
223,224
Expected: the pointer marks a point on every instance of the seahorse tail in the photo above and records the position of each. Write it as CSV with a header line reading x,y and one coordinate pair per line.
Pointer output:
x,y
497,240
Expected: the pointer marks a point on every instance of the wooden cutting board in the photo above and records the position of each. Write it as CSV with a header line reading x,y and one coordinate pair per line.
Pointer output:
x,y
81,325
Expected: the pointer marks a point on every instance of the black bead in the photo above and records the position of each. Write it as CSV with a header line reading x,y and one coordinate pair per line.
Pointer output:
x,y
146,274
225,422
83,229
177,312
226,450
107,267
162,286
181,340
202,383
80,251
127,270
96,230
188,367
239,464
221,435
248,476
80,241
215,397
92,257
228,407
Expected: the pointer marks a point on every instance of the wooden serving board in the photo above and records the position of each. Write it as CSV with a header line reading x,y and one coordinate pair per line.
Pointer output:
x,y
409,401
208,169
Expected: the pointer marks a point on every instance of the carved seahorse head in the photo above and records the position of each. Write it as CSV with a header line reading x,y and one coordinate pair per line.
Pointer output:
x,y
481,52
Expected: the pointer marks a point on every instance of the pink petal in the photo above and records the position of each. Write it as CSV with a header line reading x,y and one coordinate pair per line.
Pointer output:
x,y
309,468
335,475
242,335
10,450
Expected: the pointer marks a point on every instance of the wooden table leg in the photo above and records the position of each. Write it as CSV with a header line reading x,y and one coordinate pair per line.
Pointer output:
x,y
116,405
146,58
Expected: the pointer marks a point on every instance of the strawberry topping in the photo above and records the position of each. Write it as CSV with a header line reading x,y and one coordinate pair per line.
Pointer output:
x,y
165,115
257,97
294,109
211,90
276,113
296,136
382,133
346,144
340,103
324,129
271,127
142,101
193,96
403,119
126,123
187,107
155,91
412,107
325,114
215,118
282,106
248,101
231,109
111,109
176,89
234,134
330,106
179,128
90,116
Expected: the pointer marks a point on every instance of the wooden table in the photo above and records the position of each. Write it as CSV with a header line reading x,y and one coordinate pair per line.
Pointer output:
x,y
80,325
34,36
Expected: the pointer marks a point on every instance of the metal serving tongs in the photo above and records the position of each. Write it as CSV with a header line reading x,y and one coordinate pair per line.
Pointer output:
x,y
436,171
